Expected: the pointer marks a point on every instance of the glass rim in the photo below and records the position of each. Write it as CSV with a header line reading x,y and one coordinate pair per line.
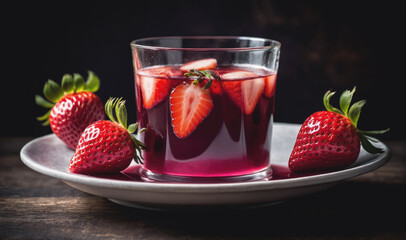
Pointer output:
x,y
273,43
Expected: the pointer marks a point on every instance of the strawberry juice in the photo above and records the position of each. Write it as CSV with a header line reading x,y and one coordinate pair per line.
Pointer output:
x,y
230,132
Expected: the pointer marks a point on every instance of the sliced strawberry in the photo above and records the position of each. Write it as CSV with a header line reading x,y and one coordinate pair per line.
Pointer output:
x,y
203,77
162,72
154,90
204,64
244,93
190,105
155,84
171,73
215,87
270,85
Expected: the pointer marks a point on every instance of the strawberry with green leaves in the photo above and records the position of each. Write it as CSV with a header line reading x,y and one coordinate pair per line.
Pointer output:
x,y
329,140
73,106
107,146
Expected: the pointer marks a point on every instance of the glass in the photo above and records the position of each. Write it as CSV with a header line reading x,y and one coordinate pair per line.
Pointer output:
x,y
197,132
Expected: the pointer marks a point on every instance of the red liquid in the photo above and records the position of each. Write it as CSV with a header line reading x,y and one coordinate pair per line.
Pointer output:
x,y
228,142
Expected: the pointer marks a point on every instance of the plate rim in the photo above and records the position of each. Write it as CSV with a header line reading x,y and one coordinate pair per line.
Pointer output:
x,y
312,180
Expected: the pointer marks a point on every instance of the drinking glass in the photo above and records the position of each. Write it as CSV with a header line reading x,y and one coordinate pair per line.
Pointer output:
x,y
207,105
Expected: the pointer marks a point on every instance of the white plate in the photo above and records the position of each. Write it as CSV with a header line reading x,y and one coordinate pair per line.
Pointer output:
x,y
49,156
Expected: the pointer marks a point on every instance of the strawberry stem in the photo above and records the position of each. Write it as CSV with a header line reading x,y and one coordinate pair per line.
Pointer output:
x,y
44,117
53,92
109,106
327,105
353,113
367,145
373,132
68,85
92,83
39,100
345,100
132,127
209,74
121,113
79,82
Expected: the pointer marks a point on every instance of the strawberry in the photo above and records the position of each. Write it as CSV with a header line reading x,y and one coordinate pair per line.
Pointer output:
x,y
203,64
154,90
161,72
270,83
107,146
330,140
154,84
190,104
208,78
244,93
215,87
73,106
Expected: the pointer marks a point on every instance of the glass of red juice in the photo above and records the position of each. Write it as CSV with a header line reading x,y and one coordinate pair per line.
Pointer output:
x,y
207,106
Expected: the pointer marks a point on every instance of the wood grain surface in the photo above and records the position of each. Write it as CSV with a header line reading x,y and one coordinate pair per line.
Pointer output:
x,y
35,206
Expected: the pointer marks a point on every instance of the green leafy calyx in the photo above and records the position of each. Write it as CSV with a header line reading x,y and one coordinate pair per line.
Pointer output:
x,y
117,112
209,74
70,84
353,112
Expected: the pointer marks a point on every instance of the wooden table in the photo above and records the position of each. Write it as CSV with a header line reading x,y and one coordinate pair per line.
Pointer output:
x,y
34,206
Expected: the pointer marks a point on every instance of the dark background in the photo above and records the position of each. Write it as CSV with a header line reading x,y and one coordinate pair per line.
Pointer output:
x,y
325,45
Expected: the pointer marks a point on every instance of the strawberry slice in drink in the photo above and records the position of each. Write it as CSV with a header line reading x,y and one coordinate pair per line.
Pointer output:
x,y
208,78
215,87
155,85
203,64
154,90
190,104
244,88
270,83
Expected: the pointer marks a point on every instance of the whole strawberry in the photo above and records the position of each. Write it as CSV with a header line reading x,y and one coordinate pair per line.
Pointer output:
x,y
107,146
330,140
73,106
